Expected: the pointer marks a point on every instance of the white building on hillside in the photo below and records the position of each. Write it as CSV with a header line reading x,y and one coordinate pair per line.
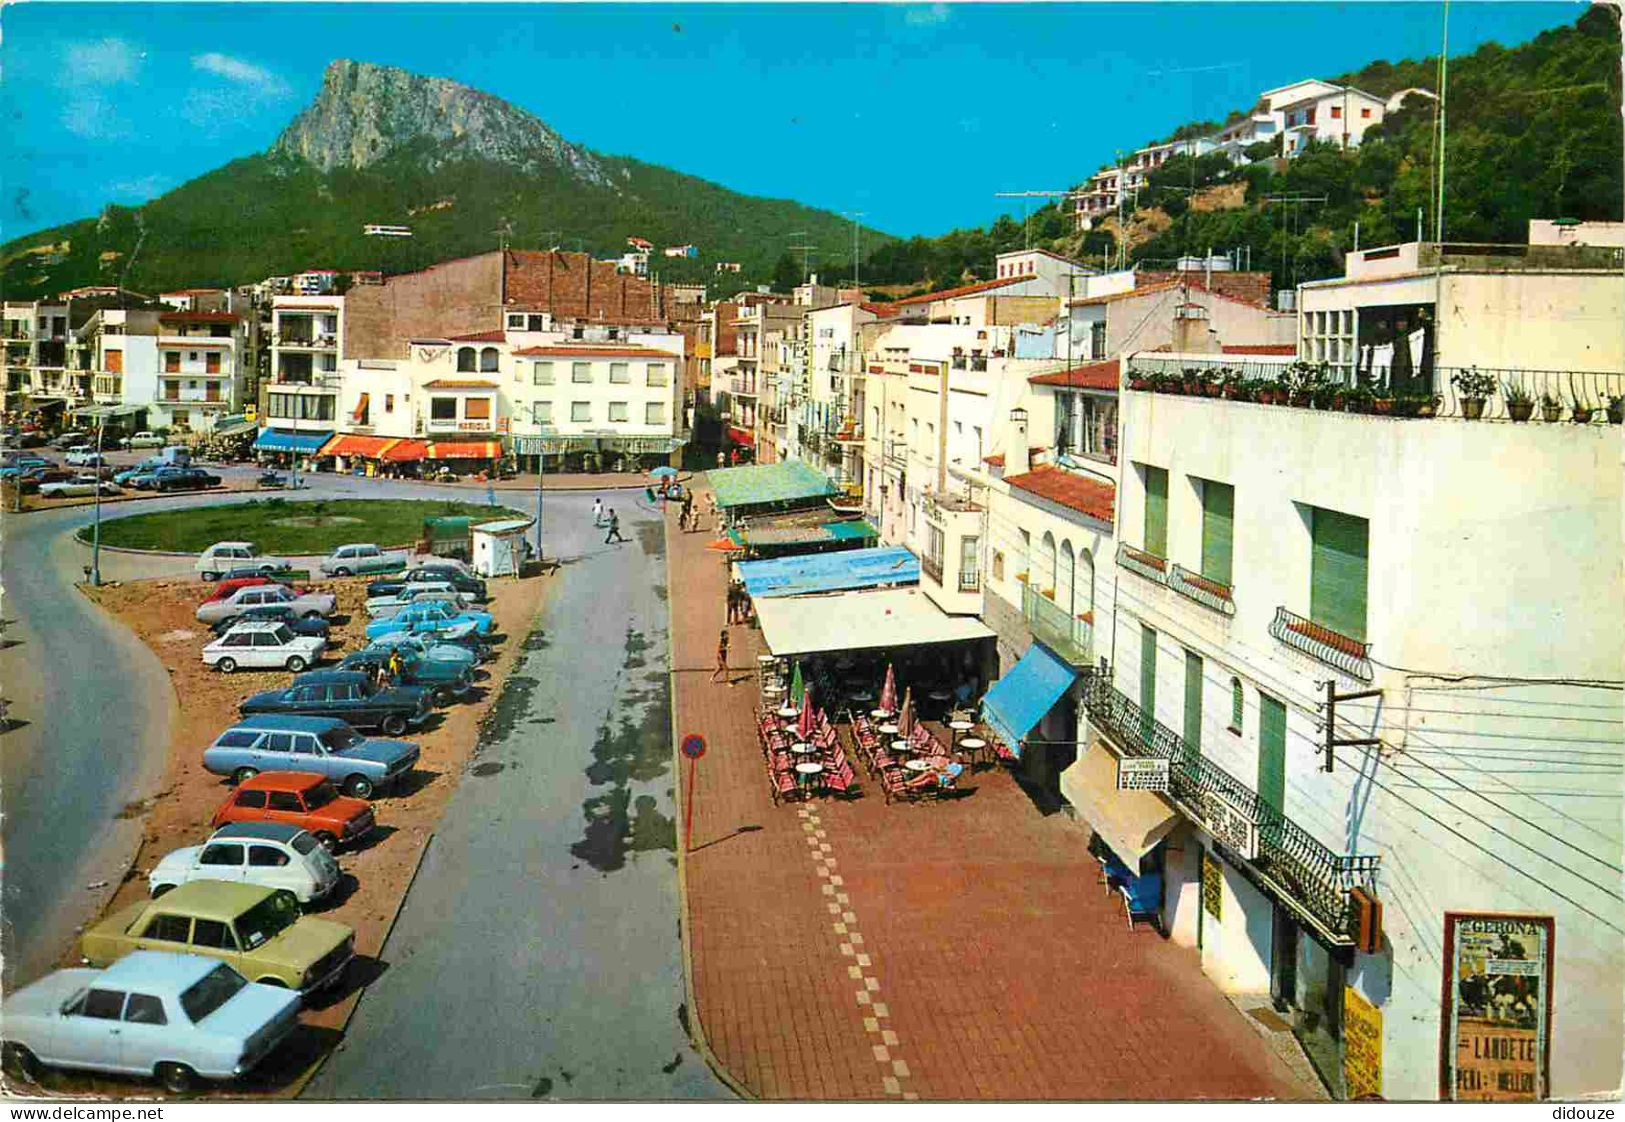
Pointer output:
x,y
1339,115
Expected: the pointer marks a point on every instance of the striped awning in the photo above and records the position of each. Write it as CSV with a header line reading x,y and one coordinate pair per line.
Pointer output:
x,y
465,450
355,444
403,450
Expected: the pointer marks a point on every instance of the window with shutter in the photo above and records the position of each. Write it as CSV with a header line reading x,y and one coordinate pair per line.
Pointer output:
x,y
1148,681
1218,520
1156,510
1337,592
1271,752
1237,701
1193,701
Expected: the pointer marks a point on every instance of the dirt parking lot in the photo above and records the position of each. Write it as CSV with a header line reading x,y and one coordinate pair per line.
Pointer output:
x,y
161,612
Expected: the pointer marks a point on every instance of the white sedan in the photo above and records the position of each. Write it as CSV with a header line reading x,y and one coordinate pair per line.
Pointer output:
x,y
83,457
268,854
177,1017
83,484
264,646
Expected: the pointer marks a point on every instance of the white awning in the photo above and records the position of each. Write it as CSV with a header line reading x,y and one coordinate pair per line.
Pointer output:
x,y
1131,822
852,621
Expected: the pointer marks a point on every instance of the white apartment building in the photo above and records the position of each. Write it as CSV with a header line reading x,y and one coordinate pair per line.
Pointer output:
x,y
36,340
622,397
307,337
201,376
1339,116
1273,558
833,413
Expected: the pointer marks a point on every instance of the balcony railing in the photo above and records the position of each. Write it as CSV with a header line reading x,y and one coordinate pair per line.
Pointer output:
x,y
1147,565
970,580
1054,626
1318,641
1306,876
932,568
1208,593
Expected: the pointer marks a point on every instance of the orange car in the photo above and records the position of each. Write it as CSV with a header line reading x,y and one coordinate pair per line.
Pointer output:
x,y
301,798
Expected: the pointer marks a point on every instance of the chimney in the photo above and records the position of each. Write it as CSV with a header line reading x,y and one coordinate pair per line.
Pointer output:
x,y
1015,445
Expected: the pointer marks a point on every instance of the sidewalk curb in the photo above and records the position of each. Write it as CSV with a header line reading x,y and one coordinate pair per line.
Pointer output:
x,y
695,1027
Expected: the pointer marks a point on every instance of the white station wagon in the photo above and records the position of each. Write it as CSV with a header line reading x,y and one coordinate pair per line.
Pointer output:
x,y
223,557
263,646
268,854
179,1017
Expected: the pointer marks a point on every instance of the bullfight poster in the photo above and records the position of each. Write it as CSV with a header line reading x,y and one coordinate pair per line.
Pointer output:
x,y
1497,1007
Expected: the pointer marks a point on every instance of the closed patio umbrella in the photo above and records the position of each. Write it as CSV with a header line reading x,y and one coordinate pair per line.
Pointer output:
x,y
797,688
805,723
888,692
905,719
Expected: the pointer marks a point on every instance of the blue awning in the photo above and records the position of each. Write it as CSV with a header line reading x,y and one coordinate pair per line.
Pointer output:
x,y
280,440
1019,700
830,572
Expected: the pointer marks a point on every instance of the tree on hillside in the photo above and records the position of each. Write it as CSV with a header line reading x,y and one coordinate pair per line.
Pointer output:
x,y
786,273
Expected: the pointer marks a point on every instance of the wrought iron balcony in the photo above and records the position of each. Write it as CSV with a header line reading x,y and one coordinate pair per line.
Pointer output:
x,y
1054,626
1147,565
1208,593
970,580
1318,641
931,567
1303,873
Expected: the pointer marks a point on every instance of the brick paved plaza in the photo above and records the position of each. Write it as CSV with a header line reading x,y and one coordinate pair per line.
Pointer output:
x,y
952,950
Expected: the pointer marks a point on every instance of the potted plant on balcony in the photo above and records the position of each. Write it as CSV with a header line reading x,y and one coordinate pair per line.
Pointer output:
x,y
1580,411
1357,399
1382,400
1616,409
1520,406
1551,407
1194,382
1138,381
1475,389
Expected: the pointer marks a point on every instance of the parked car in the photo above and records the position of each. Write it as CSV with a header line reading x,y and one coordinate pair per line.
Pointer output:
x,y
176,1017
222,556
269,854
354,560
33,478
176,479
32,438
71,438
436,571
258,932
224,587
308,604
126,476
285,614
84,457
81,484
455,654
22,462
349,696
263,646
382,607
446,681
433,619
304,800
143,439
282,742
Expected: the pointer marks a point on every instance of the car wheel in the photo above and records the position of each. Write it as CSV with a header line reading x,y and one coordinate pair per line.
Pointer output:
x,y
21,1062
394,725
244,774
342,572
267,570
159,889
313,615
176,1078
329,842
268,980
358,786
211,576
227,665
441,696
295,664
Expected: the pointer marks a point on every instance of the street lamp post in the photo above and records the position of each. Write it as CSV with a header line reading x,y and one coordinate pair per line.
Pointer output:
x,y
541,471
96,533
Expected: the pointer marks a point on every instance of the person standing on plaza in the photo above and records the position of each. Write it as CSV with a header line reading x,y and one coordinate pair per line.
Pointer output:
x,y
614,528
598,512
722,658
687,514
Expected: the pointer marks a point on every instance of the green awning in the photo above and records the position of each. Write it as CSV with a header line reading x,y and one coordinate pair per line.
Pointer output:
x,y
853,530
765,484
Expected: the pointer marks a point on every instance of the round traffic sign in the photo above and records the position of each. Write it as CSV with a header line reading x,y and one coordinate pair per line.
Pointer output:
x,y
693,746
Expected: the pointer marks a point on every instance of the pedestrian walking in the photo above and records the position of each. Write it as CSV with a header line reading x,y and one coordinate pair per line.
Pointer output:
x,y
722,657
614,528
598,512
687,512
733,605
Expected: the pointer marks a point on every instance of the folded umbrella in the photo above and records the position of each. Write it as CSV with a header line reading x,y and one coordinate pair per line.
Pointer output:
x,y
797,688
804,723
888,692
905,719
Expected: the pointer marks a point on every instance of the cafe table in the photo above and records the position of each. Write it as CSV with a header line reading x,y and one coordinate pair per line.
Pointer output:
x,y
973,745
918,765
901,747
805,772
788,711
879,714
803,749
961,726
889,729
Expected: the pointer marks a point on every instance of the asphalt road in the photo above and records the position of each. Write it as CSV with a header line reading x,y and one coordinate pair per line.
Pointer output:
x,y
90,709
537,954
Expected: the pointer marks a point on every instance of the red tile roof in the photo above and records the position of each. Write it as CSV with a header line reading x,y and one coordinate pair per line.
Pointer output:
x,y
1090,376
964,290
459,384
481,337
562,351
1194,281
997,459
1092,497
200,317
884,311
1260,349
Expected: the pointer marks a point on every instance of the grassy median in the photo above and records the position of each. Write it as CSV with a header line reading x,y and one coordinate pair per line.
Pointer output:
x,y
278,526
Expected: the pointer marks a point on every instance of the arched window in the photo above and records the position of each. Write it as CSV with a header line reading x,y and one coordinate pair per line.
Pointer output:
x,y
465,360
488,360
1084,602
998,565
1046,562
1237,702
1064,580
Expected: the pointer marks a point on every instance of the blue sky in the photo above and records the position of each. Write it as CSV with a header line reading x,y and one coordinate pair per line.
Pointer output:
x,y
913,114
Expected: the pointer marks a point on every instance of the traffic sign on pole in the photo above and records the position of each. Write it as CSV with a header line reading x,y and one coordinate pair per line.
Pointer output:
x,y
693,747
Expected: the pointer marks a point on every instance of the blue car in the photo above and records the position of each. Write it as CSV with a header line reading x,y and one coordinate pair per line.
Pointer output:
x,y
326,745
435,618
126,477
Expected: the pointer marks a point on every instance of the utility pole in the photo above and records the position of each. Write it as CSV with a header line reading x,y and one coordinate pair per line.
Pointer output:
x,y
96,534
806,252
1444,80
854,215
541,470
1333,741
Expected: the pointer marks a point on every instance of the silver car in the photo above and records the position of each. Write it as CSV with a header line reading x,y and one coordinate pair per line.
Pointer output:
x,y
307,604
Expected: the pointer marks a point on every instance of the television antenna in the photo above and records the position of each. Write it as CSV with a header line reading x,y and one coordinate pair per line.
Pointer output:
x,y
807,250
854,215
1027,219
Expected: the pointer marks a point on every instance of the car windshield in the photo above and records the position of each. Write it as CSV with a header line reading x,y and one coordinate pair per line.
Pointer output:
x,y
211,991
304,843
281,633
265,920
319,796
337,740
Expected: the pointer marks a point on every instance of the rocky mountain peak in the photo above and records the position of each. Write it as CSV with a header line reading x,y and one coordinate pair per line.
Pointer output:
x,y
365,112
